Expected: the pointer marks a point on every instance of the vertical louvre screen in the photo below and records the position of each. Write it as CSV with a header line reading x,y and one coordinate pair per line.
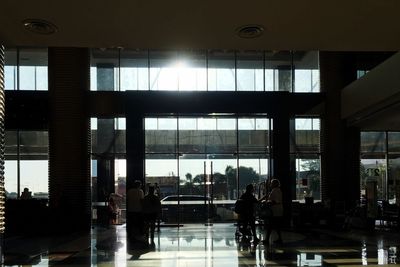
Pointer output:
x,y
2,146
2,133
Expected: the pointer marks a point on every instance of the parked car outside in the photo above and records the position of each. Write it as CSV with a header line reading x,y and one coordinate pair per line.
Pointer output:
x,y
190,208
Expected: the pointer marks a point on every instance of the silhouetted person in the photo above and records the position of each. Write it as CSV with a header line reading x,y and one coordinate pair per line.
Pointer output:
x,y
151,210
157,190
26,194
112,211
274,200
134,198
248,217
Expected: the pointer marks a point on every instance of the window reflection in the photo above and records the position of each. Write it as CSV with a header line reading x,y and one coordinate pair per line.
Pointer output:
x,y
307,259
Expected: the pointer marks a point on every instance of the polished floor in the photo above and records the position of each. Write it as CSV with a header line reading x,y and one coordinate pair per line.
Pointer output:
x,y
199,245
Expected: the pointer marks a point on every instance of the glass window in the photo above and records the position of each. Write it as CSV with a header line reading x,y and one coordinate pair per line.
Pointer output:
x,y
104,70
373,142
201,70
34,176
33,144
10,69
246,124
192,71
11,178
253,135
108,135
226,124
27,77
221,71
41,78
187,124
305,154
161,165
160,135
250,71
207,123
205,163
308,173
163,70
120,123
307,137
26,69
28,152
225,181
211,135
167,124
394,179
33,69
151,123
253,169
393,142
262,124
134,70
380,163
306,71
361,73
278,71
374,168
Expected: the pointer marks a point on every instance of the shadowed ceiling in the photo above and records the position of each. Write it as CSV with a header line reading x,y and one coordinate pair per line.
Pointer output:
x,y
341,25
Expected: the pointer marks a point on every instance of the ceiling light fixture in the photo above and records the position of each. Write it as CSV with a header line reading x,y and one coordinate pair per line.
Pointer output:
x,y
250,31
39,26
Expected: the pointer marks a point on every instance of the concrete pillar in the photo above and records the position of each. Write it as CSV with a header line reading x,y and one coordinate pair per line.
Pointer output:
x,y
135,142
339,144
69,138
281,158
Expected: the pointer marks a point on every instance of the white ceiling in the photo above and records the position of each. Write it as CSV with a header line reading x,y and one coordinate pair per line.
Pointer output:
x,y
342,25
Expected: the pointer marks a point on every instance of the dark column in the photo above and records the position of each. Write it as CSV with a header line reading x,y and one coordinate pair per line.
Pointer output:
x,y
2,143
135,155
352,167
338,143
281,158
69,138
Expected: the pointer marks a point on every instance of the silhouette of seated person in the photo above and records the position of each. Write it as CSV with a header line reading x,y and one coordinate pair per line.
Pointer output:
x,y
26,194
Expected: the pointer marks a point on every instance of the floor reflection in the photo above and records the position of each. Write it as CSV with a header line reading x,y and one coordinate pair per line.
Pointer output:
x,y
208,246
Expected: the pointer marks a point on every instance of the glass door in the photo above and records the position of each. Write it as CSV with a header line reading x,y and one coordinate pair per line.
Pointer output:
x,y
195,188
206,189
202,164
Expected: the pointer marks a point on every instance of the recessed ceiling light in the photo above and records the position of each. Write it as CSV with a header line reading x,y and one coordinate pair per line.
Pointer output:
x,y
250,31
39,26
